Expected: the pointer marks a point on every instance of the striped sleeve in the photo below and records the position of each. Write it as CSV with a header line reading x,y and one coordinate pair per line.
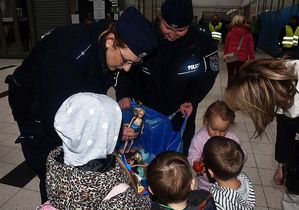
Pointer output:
x,y
251,200
223,197
229,199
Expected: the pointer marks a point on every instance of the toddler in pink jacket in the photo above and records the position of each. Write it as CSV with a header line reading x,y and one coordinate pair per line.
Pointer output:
x,y
217,120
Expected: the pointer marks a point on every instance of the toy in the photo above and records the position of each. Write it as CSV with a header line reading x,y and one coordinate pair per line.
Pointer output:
x,y
129,159
198,167
134,158
136,124
137,121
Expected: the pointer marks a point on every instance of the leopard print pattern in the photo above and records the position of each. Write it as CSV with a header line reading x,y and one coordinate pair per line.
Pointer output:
x,y
71,188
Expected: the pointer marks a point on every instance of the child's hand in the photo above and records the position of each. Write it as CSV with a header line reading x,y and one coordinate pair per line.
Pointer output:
x,y
278,176
186,108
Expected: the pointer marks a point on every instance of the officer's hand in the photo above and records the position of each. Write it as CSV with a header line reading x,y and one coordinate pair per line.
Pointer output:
x,y
186,108
124,103
128,133
278,176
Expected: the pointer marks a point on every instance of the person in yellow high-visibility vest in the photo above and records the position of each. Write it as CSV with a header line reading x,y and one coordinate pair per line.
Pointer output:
x,y
215,27
289,38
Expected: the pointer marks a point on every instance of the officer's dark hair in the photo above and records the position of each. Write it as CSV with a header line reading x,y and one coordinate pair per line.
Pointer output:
x,y
111,29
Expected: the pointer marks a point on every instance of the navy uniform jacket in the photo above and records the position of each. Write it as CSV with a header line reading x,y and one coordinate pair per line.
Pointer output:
x,y
65,61
180,71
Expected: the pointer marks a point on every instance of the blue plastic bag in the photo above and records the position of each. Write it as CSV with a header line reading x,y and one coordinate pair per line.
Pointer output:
x,y
158,134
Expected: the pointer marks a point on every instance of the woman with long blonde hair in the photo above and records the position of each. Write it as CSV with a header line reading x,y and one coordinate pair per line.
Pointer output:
x,y
264,89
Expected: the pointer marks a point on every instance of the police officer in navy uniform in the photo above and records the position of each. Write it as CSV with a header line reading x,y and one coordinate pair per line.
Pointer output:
x,y
68,60
180,73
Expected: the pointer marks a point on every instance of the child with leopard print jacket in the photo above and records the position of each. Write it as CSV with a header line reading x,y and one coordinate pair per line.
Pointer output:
x,y
85,173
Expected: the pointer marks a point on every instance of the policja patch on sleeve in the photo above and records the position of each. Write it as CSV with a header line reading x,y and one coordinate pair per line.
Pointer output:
x,y
214,62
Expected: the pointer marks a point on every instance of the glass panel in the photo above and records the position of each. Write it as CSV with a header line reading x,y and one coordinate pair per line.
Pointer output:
x,y
23,21
15,45
275,5
288,3
8,26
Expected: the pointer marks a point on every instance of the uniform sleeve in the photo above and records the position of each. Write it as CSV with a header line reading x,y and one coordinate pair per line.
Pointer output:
x,y
60,79
132,84
202,84
123,88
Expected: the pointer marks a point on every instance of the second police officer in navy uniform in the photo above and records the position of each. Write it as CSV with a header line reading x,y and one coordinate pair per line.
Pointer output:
x,y
180,73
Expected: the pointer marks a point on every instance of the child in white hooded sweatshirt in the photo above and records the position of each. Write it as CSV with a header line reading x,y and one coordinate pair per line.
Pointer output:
x,y
85,173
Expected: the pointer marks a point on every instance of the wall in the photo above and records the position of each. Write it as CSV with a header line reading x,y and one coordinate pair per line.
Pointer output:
x,y
211,7
216,3
206,7
199,6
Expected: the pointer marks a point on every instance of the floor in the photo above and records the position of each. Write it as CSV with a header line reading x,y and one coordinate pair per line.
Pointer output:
x,y
260,165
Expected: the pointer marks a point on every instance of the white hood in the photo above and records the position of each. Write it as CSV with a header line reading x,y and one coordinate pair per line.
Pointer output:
x,y
88,125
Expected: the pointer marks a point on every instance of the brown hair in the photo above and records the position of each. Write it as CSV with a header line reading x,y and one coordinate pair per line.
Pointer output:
x,y
224,157
169,176
259,88
118,41
219,108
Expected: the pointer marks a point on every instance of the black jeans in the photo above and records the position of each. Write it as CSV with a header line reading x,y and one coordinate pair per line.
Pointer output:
x,y
36,145
287,150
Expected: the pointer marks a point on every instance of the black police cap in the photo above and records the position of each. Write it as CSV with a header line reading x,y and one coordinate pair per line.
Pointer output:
x,y
177,13
136,32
